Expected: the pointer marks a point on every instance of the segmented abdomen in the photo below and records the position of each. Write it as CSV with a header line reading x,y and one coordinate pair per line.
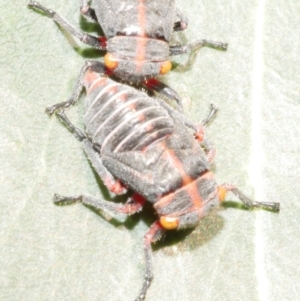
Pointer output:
x,y
120,118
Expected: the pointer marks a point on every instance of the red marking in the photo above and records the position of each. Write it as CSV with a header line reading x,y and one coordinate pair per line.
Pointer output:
x,y
151,83
149,127
132,107
150,236
141,117
116,187
199,135
192,191
122,97
113,90
103,42
139,199
90,77
170,156
108,72
135,204
142,17
94,80
189,184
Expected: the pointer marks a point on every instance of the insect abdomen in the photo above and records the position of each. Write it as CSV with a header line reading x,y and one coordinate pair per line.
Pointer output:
x,y
119,118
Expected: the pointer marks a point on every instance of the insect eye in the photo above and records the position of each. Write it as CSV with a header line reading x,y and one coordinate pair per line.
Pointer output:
x,y
221,193
165,67
110,61
169,223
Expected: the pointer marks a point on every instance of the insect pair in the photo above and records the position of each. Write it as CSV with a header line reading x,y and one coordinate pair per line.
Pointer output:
x,y
138,142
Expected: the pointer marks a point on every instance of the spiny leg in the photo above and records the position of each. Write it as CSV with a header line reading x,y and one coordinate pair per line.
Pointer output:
x,y
87,11
181,49
154,233
133,205
163,91
212,114
73,129
178,115
92,65
200,134
114,185
274,206
199,130
95,42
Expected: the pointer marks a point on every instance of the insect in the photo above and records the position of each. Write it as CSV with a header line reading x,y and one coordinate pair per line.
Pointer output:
x,y
139,143
137,38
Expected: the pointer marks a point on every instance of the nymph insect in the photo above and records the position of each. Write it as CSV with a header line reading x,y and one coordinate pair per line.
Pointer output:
x,y
139,143
137,38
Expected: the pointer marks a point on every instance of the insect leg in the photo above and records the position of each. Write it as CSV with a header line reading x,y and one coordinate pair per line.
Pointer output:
x,y
274,206
180,49
190,124
92,65
93,41
212,113
114,185
154,233
133,205
163,91
200,134
74,130
87,11
199,130
182,23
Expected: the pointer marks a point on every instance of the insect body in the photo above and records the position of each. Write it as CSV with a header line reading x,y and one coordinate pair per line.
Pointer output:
x,y
137,142
137,37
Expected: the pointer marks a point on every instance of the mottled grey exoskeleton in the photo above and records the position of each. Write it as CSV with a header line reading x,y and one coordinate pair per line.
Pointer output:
x,y
137,38
139,143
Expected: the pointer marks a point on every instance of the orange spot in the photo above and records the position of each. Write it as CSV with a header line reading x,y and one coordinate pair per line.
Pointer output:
x,y
122,97
112,90
149,128
165,67
110,61
141,117
221,193
132,107
169,223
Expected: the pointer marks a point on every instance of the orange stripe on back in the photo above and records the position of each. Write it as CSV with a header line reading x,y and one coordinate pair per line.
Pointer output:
x,y
170,155
142,41
188,183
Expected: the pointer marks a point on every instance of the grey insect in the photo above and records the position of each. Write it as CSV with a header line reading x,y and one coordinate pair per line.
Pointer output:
x,y
139,143
137,38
